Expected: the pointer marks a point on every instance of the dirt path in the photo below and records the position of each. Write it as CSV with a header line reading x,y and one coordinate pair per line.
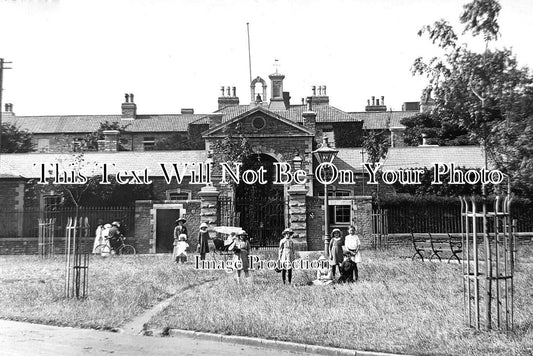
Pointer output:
x,y
137,325
18,338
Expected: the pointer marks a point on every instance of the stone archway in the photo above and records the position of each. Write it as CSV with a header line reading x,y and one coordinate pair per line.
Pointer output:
x,y
261,207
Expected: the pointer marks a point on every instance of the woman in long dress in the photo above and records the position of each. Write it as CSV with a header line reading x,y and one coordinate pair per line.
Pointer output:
x,y
180,243
241,248
203,241
336,256
286,255
98,238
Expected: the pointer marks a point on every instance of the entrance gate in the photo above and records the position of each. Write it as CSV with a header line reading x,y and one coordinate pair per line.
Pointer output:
x,y
263,218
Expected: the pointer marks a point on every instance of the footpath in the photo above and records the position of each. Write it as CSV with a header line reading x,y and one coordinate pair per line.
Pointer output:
x,y
19,338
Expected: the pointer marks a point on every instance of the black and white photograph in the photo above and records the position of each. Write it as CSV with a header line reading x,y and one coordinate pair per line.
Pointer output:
x,y
266,177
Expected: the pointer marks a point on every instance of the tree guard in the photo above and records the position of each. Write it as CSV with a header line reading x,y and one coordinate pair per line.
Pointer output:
x,y
45,245
77,257
488,264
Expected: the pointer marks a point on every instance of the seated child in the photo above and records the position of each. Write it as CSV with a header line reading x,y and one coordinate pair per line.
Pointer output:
x,y
347,269
323,275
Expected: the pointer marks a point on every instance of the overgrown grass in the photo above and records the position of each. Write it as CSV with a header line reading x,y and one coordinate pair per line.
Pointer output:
x,y
398,306
32,289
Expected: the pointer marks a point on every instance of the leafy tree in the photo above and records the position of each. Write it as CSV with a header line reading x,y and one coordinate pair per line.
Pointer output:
x,y
15,140
91,140
437,132
486,94
376,145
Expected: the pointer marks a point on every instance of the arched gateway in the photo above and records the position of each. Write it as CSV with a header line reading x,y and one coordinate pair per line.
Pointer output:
x,y
261,208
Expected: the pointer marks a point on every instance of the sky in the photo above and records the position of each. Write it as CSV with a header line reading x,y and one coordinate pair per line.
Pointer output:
x,y
80,57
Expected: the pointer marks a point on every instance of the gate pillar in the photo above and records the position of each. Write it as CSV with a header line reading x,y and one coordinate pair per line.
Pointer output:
x,y
298,215
208,207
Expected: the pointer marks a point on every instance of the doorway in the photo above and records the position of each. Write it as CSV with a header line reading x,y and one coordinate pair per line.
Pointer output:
x,y
164,231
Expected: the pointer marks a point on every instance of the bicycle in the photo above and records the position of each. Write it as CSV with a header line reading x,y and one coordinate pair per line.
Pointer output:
x,y
123,249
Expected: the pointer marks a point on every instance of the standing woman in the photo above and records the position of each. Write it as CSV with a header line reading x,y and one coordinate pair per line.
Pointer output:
x,y
286,254
180,229
203,241
98,236
241,248
336,256
353,244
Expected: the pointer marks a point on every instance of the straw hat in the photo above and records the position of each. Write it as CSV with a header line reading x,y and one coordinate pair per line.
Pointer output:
x,y
336,230
203,225
181,219
287,231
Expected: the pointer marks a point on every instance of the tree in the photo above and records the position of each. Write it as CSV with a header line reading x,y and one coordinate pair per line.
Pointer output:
x,y
91,140
15,140
486,94
438,132
376,145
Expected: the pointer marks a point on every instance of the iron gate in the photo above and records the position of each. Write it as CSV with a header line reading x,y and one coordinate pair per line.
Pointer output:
x,y
263,219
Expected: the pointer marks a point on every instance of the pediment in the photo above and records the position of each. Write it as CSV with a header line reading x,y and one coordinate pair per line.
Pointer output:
x,y
258,122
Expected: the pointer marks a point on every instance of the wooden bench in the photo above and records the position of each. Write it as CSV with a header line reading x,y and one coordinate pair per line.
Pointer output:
x,y
435,245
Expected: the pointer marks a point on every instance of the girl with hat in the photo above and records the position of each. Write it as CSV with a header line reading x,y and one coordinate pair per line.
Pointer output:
x,y
335,251
180,242
286,255
203,241
241,248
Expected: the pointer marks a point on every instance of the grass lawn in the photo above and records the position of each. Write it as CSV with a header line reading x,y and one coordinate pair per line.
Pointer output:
x,y
398,306
120,287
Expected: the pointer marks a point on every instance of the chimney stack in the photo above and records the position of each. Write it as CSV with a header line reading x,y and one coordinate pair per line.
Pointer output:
x,y
321,98
309,117
376,105
226,98
187,111
129,108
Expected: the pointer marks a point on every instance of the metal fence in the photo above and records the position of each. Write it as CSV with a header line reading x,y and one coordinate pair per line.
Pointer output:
x,y
412,217
25,223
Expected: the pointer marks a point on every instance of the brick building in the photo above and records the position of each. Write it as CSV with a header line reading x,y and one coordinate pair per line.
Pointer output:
x,y
276,131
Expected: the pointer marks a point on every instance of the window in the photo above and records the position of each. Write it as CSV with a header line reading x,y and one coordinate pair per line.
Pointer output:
x,y
178,194
149,143
43,145
340,213
258,123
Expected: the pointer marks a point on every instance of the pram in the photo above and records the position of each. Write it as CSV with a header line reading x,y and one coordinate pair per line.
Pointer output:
x,y
220,250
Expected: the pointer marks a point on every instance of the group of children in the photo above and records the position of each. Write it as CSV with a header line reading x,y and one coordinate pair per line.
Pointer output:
x,y
344,252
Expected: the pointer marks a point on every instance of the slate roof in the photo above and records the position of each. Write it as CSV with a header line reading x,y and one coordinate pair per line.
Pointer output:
x,y
325,113
383,119
29,164
350,158
90,123
427,156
